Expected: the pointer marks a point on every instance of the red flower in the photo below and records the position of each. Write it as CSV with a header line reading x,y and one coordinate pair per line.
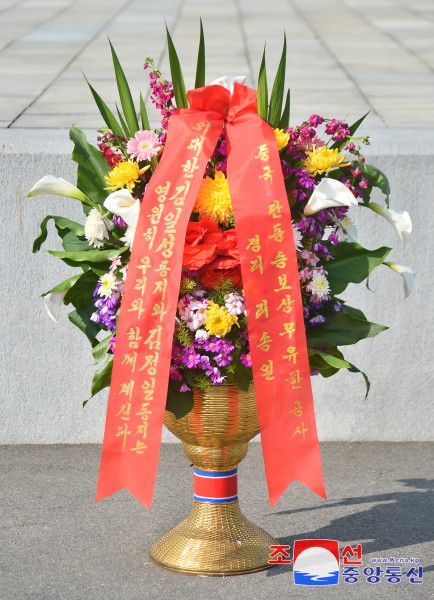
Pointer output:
x,y
223,267
201,242
229,244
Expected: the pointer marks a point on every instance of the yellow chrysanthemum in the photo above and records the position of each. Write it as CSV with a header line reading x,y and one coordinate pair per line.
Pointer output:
x,y
218,320
214,200
125,175
322,160
282,138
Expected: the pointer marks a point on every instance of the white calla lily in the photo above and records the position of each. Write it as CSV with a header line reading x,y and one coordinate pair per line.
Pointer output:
x,y
407,276
122,204
329,193
58,187
400,219
228,82
53,304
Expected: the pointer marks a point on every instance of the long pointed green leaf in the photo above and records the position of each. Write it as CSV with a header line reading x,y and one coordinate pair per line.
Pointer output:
x,y
284,121
123,123
61,224
106,113
354,369
276,99
125,94
176,74
101,377
92,166
263,89
200,68
144,114
353,128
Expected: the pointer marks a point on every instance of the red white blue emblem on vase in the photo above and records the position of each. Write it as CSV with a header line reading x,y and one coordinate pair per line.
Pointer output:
x,y
316,562
215,487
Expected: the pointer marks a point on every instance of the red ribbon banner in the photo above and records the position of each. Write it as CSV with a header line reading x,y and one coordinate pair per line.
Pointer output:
x,y
136,405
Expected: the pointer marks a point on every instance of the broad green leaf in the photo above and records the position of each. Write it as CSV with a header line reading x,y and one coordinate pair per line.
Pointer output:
x,y
176,74
376,178
276,98
144,114
102,377
106,113
284,121
243,377
178,403
77,259
62,225
330,359
200,68
73,243
63,286
352,264
81,319
353,128
125,94
81,293
342,329
101,349
92,166
263,89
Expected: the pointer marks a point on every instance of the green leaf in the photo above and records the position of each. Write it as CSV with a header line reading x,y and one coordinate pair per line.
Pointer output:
x,y
89,258
123,123
352,264
376,178
106,113
353,128
102,377
63,286
62,225
334,361
92,166
284,121
342,329
144,114
200,68
81,293
263,89
354,369
276,99
101,349
125,94
176,74
243,377
178,403
81,319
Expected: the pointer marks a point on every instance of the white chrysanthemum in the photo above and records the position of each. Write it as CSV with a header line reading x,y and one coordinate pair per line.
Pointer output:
x,y
96,228
298,236
108,285
201,334
128,238
319,287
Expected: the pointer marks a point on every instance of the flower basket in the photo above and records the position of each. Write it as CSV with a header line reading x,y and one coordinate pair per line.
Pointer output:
x,y
213,253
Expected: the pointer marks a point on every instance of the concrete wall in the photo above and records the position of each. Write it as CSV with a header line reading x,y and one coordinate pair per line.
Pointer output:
x,y
47,368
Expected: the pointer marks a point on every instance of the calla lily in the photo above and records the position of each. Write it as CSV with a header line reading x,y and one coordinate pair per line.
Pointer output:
x,y
400,219
124,205
329,193
228,82
53,304
407,276
58,187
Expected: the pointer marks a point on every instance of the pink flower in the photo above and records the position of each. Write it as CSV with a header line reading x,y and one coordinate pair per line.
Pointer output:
x,y
144,145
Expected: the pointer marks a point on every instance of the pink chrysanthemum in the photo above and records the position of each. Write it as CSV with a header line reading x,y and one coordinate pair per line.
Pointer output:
x,y
144,145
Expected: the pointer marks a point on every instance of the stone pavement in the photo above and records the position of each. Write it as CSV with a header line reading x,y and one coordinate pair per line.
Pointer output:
x,y
57,544
345,57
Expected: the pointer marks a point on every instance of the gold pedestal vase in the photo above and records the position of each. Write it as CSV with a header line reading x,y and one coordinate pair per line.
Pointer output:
x,y
216,538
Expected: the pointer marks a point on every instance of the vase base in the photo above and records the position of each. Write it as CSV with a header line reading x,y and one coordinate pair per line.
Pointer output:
x,y
214,540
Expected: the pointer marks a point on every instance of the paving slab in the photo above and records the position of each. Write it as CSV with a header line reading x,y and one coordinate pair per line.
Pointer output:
x,y
346,52
57,544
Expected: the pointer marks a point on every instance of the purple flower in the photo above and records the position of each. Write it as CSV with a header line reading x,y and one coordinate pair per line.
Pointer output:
x,y
315,120
190,358
213,344
223,360
112,344
246,359
184,388
174,374
318,320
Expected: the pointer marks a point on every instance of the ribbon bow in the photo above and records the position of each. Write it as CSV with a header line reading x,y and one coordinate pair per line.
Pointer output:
x,y
137,399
